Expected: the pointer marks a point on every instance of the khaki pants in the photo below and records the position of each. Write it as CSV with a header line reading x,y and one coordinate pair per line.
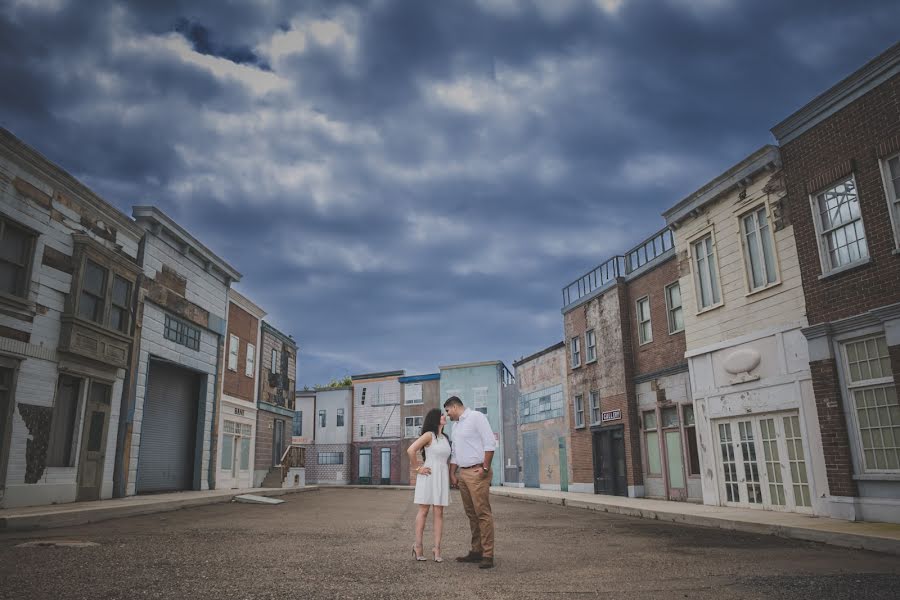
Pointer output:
x,y
474,487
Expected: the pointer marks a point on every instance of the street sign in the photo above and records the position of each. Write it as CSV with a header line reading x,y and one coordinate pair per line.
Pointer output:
x,y
611,415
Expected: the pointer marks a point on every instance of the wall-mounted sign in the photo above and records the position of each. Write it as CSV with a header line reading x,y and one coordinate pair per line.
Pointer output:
x,y
611,415
239,412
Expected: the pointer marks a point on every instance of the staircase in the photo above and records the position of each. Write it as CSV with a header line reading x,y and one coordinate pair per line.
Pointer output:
x,y
294,456
273,478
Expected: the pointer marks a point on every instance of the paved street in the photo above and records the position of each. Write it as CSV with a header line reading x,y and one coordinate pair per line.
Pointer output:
x,y
356,544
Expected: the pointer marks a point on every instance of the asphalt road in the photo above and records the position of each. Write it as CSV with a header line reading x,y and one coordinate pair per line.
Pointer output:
x,y
357,544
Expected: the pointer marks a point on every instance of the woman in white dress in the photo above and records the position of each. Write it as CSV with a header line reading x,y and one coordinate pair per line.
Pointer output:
x,y
432,480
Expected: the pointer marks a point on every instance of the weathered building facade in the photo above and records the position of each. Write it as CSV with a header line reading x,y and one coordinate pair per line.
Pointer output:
x,y
754,413
275,406
237,416
328,459
69,266
421,393
377,428
542,417
841,161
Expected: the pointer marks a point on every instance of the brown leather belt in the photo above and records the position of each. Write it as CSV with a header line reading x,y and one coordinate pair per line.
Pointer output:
x,y
472,466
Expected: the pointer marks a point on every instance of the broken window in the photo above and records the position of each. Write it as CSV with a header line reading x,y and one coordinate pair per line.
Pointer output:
x,y
16,249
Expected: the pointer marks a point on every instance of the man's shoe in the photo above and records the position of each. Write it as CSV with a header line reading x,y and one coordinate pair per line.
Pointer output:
x,y
471,557
487,563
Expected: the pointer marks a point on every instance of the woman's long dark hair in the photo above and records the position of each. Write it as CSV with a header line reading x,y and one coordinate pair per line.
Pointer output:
x,y
432,423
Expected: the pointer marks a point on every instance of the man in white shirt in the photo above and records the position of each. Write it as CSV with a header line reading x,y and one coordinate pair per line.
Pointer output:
x,y
470,469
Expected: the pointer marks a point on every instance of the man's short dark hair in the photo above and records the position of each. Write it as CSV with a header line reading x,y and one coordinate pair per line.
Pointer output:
x,y
453,401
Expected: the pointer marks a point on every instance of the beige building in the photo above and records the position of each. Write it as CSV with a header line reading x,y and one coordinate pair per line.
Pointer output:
x,y
757,430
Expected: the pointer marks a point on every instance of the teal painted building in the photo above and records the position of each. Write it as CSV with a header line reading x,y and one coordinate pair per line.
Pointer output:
x,y
488,387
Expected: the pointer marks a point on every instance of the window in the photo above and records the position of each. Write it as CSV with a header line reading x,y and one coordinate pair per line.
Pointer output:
x,y
182,333
250,363
323,419
651,438
63,422
93,286
340,417
234,344
842,238
362,430
377,429
363,396
275,362
891,170
690,434
707,273
576,352
16,250
298,423
331,458
412,393
118,310
591,343
759,249
236,435
413,427
579,411
673,308
479,401
595,406
645,330
871,386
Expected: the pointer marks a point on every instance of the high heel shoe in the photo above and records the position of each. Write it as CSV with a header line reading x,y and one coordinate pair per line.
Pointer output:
x,y
437,557
416,554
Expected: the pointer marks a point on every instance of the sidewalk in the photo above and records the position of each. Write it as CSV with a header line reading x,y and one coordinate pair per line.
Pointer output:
x,y
879,537
80,513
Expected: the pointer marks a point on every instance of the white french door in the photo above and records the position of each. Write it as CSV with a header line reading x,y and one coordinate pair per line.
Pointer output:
x,y
762,463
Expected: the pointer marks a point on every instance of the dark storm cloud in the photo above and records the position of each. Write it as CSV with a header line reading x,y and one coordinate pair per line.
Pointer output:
x,y
409,184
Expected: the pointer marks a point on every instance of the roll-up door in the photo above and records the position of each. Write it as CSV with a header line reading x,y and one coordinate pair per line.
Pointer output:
x,y
168,430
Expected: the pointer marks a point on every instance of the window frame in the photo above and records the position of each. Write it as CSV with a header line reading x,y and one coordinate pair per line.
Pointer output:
x,y
323,418
276,362
824,258
640,323
685,426
28,267
669,308
178,325
577,401
745,249
415,427
892,196
590,349
339,418
234,350
80,401
695,269
657,431
412,401
250,361
595,395
110,275
298,419
331,455
575,351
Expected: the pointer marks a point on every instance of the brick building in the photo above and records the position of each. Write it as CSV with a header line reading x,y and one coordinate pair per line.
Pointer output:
x,y
421,393
542,420
70,269
237,413
377,430
275,406
841,160
743,306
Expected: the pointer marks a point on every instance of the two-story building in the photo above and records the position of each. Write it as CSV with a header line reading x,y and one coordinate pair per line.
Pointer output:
x,y
303,429
377,429
237,420
542,418
421,393
328,460
68,274
841,164
275,406
744,311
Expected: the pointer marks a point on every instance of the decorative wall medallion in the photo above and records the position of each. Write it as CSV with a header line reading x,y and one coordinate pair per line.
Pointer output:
x,y
740,363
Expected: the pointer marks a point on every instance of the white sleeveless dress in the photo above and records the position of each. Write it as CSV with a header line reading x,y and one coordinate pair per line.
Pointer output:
x,y
434,489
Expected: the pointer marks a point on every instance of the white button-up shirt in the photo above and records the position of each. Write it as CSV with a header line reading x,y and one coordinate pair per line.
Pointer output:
x,y
472,437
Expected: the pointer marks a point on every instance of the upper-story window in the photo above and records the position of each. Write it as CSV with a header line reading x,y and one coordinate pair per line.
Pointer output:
x,y
645,328
576,352
340,417
759,249
591,341
706,269
673,308
16,251
182,333
323,418
101,289
250,364
842,237
275,361
234,344
891,170
412,393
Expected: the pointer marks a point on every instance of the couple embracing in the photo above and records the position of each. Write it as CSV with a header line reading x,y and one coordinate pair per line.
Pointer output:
x,y
465,463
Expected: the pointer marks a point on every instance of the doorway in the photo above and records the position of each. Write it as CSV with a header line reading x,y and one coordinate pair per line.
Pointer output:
x,y
609,461
93,441
385,466
365,465
6,409
532,461
277,442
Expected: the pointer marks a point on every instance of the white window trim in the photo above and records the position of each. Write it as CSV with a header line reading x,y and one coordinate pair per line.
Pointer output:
x,y
890,193
234,348
275,362
412,401
591,395
711,232
824,261
587,347
745,251
670,308
250,362
576,411
637,307
572,344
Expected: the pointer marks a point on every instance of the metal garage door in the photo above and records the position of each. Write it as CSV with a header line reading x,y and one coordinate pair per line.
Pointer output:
x,y
168,430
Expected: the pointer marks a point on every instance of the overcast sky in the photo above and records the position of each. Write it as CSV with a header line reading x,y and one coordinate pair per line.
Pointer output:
x,y
410,184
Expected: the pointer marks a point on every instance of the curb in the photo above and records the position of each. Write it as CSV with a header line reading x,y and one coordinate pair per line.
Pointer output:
x,y
52,520
832,538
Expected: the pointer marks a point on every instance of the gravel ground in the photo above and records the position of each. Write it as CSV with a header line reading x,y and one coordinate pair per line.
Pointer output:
x,y
357,544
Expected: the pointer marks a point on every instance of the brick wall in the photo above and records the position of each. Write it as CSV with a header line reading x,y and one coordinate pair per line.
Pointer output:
x,y
665,350
851,141
833,425
245,326
376,447
316,473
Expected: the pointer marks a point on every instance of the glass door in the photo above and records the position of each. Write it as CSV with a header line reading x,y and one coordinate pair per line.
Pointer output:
x,y
385,466
365,465
676,485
